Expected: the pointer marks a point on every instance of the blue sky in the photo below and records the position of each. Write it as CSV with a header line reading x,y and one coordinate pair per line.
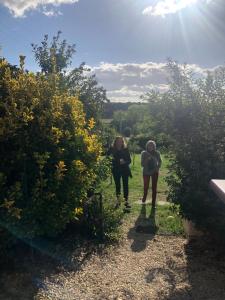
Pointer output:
x,y
126,42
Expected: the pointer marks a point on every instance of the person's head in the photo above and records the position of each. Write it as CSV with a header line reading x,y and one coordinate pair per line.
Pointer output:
x,y
150,146
119,143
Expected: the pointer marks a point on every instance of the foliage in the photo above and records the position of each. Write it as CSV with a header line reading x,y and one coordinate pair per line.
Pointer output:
x,y
81,81
140,140
191,113
110,107
139,123
161,139
107,134
111,220
119,121
55,56
100,219
49,153
127,131
130,118
134,149
102,172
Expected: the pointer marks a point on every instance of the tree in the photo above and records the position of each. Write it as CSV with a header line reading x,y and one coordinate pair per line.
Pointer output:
x,y
134,149
127,131
56,56
191,113
119,121
53,57
91,95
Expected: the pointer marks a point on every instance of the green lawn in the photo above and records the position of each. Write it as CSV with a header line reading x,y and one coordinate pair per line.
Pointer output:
x,y
166,219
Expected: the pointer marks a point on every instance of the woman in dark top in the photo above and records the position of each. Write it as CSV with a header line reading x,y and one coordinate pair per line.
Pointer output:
x,y
120,168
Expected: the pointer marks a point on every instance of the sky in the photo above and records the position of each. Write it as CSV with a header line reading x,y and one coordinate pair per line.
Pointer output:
x,y
126,43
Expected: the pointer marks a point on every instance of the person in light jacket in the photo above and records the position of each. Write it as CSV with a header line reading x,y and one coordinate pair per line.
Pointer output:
x,y
151,163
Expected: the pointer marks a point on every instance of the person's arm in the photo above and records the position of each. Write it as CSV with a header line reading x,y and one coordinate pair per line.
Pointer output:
x,y
159,159
127,158
144,158
109,151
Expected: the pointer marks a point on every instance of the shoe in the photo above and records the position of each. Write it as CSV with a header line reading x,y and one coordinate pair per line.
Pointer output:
x,y
143,200
117,205
127,205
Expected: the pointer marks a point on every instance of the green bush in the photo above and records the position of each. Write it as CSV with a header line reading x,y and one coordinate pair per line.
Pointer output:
x,y
191,113
127,131
49,153
140,140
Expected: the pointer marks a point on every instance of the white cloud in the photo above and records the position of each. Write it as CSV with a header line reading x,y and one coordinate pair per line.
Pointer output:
x,y
19,7
164,7
51,12
127,82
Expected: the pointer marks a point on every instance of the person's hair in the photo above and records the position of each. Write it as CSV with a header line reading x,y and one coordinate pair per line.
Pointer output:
x,y
150,142
115,141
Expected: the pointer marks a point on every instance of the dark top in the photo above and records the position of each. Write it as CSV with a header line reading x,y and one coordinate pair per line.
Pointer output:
x,y
117,167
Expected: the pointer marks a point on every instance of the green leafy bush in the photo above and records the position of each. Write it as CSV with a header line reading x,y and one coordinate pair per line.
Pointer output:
x,y
49,153
191,113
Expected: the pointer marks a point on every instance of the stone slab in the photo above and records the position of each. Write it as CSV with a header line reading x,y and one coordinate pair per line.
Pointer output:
x,y
218,186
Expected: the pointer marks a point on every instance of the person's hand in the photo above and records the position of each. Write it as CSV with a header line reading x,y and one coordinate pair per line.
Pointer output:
x,y
122,161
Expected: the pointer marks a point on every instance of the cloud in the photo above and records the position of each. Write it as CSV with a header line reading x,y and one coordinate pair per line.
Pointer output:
x,y
127,82
18,8
165,7
51,12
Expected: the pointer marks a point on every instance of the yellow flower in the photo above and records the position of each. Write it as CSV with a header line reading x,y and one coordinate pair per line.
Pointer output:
x,y
57,134
78,211
79,165
91,124
14,211
60,169
8,204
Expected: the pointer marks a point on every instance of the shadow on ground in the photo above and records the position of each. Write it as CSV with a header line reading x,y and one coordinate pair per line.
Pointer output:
x,y
144,230
32,264
201,278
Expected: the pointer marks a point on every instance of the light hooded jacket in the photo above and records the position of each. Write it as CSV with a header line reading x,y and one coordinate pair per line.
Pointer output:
x,y
151,162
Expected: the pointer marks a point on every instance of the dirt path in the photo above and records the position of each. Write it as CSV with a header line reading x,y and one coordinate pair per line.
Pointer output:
x,y
144,266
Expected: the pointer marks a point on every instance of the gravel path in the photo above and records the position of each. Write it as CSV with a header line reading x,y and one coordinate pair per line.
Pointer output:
x,y
143,266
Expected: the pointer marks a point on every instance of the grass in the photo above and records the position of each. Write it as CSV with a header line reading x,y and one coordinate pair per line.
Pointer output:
x,y
167,219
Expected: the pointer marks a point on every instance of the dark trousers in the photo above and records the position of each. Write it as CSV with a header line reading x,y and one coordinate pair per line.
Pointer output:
x,y
146,179
117,178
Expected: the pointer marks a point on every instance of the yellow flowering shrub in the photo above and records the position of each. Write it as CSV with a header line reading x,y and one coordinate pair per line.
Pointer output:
x,y
49,153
